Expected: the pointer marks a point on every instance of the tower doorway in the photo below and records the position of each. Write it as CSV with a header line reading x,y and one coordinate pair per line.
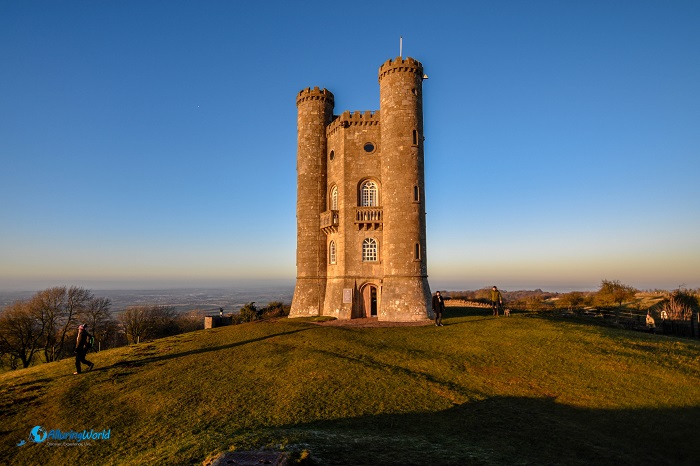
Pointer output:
x,y
370,300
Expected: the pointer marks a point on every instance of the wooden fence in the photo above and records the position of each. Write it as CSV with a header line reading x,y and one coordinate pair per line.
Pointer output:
x,y
636,320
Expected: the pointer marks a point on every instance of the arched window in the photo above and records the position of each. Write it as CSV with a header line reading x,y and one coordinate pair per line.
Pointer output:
x,y
334,198
369,250
369,194
331,252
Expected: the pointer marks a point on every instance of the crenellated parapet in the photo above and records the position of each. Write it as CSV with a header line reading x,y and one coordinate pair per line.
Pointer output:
x,y
406,65
315,94
356,118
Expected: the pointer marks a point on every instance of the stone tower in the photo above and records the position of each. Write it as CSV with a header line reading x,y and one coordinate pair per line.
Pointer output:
x,y
361,247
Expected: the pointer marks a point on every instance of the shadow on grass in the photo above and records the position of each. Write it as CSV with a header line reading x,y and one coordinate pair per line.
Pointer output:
x,y
373,363
458,312
505,430
145,354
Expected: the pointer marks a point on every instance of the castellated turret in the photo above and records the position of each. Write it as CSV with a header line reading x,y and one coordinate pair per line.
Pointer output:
x,y
361,247
315,111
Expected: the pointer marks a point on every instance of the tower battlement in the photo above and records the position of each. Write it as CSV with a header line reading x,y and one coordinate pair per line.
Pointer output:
x,y
356,118
315,94
401,65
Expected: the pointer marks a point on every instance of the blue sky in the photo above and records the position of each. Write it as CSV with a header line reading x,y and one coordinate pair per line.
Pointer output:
x,y
153,143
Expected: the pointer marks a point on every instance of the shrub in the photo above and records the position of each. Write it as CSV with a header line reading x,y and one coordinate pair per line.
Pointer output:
x,y
680,305
572,300
249,313
275,309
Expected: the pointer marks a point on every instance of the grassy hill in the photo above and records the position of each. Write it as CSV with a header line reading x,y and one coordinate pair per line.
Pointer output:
x,y
481,390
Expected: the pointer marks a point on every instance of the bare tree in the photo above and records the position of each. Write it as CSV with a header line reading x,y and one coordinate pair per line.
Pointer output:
x,y
57,309
164,321
615,292
143,322
46,306
135,323
98,318
20,333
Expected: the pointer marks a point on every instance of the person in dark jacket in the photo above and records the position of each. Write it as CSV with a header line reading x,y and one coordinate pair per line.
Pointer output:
x,y
81,349
496,300
438,308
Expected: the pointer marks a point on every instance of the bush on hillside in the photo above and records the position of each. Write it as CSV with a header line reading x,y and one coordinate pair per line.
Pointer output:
x,y
573,300
680,305
249,313
275,309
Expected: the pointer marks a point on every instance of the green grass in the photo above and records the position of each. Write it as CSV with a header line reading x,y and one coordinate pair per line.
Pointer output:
x,y
481,390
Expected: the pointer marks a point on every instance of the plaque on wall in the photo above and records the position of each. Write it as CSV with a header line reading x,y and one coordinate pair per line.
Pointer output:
x,y
347,295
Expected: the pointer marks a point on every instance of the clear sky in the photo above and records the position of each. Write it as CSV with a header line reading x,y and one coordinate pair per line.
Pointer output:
x,y
153,143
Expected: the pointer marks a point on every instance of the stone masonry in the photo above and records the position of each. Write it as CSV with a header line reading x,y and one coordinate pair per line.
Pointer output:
x,y
361,246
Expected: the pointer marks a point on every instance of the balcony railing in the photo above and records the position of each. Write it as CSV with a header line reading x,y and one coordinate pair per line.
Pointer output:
x,y
369,218
329,221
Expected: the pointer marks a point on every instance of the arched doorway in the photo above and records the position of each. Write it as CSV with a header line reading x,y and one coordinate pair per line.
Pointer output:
x,y
370,300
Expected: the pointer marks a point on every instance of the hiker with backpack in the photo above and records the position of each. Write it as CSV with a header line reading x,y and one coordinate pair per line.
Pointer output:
x,y
82,344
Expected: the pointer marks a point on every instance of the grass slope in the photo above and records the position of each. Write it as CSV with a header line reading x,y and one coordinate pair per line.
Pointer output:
x,y
481,390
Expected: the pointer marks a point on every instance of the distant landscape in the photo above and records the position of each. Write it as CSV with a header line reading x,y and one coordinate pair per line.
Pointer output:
x,y
233,299
180,299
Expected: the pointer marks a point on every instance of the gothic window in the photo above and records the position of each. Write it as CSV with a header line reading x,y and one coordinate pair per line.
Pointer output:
x,y
369,194
334,198
331,252
369,250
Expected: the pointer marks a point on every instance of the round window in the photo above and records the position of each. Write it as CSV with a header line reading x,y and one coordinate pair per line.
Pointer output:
x,y
369,147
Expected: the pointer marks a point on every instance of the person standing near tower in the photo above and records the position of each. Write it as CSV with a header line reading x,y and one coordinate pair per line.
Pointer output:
x,y
438,308
496,300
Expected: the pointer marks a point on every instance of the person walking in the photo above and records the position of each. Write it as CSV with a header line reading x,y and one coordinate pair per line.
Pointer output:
x,y
438,308
496,300
81,349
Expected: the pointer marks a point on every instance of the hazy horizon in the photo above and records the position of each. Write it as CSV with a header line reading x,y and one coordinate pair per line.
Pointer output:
x,y
265,284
